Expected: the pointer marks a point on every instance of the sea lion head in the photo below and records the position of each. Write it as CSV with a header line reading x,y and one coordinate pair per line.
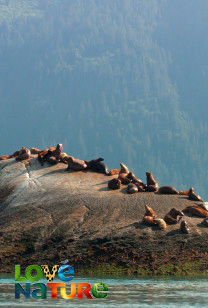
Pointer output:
x,y
191,190
59,148
124,169
23,150
149,175
149,211
134,179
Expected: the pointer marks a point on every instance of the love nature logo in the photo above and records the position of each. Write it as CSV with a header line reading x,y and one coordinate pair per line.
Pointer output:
x,y
37,290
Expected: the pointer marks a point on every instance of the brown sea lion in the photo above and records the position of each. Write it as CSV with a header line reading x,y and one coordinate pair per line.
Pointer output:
x,y
124,179
152,185
124,169
15,154
193,196
149,220
20,155
35,151
172,216
167,190
132,189
113,172
150,179
114,184
196,210
5,157
133,178
56,152
97,165
42,156
184,227
24,154
149,211
54,156
160,223
75,164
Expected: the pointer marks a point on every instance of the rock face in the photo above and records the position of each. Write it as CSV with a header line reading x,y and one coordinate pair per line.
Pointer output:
x,y
48,214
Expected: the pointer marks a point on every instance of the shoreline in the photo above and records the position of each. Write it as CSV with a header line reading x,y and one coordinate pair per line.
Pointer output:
x,y
186,270
158,256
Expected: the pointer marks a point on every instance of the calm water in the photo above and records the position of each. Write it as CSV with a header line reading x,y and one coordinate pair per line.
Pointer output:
x,y
122,293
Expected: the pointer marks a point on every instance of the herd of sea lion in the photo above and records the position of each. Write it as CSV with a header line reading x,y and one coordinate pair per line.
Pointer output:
x,y
123,177
174,216
135,185
54,156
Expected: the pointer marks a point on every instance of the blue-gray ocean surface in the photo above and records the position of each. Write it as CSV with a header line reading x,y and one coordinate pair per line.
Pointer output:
x,y
123,292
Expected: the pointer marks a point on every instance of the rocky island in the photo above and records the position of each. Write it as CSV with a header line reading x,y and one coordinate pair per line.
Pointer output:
x,y
49,214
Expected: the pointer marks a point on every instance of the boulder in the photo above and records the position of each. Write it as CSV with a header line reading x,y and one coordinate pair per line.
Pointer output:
x,y
48,214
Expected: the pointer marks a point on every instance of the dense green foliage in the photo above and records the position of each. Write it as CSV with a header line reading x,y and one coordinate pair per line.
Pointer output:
x,y
122,79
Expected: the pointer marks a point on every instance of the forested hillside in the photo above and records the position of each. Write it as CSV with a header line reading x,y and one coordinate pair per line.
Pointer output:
x,y
122,79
